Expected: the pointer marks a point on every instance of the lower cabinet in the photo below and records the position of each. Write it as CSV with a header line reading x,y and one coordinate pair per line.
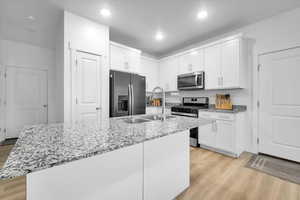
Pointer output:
x,y
166,166
226,134
207,134
157,169
114,175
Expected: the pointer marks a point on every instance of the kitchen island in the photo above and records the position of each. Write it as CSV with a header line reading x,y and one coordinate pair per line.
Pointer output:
x,y
83,161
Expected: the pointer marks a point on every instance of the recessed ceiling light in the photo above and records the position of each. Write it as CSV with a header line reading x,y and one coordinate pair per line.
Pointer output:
x,y
194,52
159,36
31,18
105,12
202,14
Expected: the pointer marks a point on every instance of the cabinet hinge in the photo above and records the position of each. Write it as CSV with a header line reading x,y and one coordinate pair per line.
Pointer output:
x,y
258,104
259,67
257,140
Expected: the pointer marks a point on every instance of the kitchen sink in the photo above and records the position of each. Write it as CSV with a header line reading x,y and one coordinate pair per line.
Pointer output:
x,y
147,118
157,117
136,120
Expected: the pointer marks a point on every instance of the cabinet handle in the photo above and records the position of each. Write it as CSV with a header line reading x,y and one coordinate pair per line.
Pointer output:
x,y
224,117
190,67
126,65
214,126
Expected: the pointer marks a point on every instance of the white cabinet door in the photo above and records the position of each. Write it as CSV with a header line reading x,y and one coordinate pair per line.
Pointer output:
x,y
133,60
230,64
166,166
225,137
212,63
149,68
191,62
26,98
117,58
168,73
87,87
207,135
124,59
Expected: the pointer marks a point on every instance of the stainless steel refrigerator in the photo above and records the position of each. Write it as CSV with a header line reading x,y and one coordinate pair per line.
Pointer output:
x,y
127,94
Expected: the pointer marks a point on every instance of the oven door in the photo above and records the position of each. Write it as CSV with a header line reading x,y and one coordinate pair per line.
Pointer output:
x,y
193,132
191,81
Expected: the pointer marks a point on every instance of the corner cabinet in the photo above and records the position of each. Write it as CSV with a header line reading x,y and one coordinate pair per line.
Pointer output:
x,y
149,69
226,64
192,61
168,71
226,135
123,58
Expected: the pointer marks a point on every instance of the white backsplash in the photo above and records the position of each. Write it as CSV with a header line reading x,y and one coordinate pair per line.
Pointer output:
x,y
238,96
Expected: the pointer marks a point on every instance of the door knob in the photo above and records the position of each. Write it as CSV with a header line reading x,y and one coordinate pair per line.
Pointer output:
x,y
98,108
45,106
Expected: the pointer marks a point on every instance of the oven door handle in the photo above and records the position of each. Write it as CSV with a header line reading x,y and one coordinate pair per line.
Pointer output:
x,y
185,114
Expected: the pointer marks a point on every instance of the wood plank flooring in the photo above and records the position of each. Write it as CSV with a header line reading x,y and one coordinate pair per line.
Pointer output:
x,y
217,177
213,177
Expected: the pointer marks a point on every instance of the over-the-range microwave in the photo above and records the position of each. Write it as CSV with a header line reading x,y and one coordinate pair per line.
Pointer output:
x,y
191,81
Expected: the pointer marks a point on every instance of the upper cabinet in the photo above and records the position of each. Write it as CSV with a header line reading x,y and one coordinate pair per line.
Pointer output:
x,y
168,71
191,62
149,69
212,57
225,64
124,58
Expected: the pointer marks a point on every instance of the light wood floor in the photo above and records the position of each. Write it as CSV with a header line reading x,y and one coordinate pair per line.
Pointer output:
x,y
213,177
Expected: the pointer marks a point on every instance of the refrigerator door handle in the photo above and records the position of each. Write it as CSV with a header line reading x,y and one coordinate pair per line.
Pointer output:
x,y
129,100
132,100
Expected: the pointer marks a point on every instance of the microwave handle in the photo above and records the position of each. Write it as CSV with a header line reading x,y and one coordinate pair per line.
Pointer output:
x,y
196,79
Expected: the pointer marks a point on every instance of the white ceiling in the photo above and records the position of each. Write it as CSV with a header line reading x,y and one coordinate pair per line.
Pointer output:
x,y
134,22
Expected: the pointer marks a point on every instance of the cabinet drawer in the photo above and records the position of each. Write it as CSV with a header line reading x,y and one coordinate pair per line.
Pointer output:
x,y
216,115
207,115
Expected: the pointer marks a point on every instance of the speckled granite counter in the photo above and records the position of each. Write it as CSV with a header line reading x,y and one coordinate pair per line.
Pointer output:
x,y
235,109
44,146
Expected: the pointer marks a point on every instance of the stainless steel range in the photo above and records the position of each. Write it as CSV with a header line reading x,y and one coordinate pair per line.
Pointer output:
x,y
190,108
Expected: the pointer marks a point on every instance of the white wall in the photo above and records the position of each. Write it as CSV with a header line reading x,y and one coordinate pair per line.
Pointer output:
x,y
81,34
18,54
2,137
276,33
59,66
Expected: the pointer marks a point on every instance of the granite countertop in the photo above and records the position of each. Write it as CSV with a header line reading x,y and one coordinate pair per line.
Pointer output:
x,y
44,146
236,109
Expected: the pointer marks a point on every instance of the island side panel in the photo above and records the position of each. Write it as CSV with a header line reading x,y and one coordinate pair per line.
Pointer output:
x,y
113,175
167,166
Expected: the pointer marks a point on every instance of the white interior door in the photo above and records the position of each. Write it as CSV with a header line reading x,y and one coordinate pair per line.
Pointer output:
x,y
88,88
279,112
26,99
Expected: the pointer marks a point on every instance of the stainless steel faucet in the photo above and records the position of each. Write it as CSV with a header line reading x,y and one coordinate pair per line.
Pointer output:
x,y
163,100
